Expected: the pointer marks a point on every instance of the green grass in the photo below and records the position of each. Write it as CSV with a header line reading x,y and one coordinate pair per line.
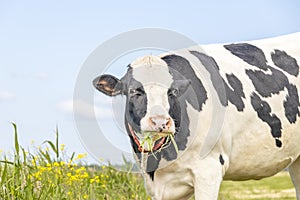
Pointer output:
x,y
50,173
278,187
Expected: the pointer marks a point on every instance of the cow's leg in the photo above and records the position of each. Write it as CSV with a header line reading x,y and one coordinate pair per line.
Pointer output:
x,y
294,170
208,179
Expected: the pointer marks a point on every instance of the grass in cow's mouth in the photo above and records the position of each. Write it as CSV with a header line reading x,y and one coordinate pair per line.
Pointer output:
x,y
150,138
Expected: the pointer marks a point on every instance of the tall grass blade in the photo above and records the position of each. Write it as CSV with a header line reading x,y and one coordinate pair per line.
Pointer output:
x,y
7,162
4,173
24,156
55,150
46,156
54,147
17,147
72,156
57,143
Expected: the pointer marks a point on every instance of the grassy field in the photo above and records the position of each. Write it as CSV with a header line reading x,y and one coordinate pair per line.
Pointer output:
x,y
50,173
278,187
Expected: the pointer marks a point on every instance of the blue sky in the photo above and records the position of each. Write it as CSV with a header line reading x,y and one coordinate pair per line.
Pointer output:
x,y
43,45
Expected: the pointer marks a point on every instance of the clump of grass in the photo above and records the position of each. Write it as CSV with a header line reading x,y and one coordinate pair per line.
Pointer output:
x,y
151,137
51,174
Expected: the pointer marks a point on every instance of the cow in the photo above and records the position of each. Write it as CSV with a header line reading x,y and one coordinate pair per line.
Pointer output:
x,y
231,111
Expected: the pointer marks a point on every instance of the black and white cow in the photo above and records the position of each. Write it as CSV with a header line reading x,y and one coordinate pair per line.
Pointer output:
x,y
255,83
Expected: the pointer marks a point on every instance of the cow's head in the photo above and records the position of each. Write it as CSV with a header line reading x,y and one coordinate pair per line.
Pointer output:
x,y
152,91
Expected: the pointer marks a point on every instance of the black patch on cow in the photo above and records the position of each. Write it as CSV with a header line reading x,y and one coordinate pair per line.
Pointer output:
x,y
180,68
176,114
221,159
274,81
151,174
136,103
291,104
236,84
265,84
152,163
249,53
278,143
268,84
225,93
235,95
263,110
213,69
183,67
285,62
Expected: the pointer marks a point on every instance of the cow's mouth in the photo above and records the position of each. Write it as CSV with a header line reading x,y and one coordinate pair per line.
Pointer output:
x,y
150,141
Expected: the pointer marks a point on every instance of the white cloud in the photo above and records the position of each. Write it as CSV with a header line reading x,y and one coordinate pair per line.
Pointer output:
x,y
79,107
4,96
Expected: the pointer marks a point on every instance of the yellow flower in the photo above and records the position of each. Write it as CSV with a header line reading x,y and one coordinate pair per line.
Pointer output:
x,y
59,172
33,162
49,168
85,196
103,167
62,147
56,164
42,169
85,175
73,178
80,156
69,193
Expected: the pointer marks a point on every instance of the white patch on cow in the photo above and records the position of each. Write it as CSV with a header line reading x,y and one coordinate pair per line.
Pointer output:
x,y
148,60
154,75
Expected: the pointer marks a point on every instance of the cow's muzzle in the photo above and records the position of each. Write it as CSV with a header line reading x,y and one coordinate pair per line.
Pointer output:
x,y
150,141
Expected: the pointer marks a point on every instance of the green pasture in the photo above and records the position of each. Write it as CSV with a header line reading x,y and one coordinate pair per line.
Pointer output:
x,y
50,172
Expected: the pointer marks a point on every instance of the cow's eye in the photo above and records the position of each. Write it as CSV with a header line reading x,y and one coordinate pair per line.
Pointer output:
x,y
173,92
136,92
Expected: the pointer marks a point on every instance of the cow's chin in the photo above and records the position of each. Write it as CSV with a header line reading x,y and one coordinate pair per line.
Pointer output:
x,y
150,141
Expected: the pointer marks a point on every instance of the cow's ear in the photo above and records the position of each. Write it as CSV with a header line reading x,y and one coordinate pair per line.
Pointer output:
x,y
108,85
180,86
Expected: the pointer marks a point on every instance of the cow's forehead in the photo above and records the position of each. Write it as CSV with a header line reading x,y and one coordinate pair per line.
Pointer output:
x,y
151,70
